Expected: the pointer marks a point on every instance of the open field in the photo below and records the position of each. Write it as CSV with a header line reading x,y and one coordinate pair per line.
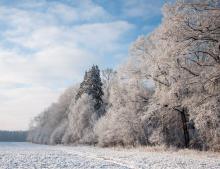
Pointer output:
x,y
32,156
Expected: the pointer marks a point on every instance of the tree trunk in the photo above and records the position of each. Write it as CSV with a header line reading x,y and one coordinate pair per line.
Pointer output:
x,y
183,112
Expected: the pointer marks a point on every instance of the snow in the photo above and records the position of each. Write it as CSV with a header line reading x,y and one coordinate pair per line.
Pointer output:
x,y
34,156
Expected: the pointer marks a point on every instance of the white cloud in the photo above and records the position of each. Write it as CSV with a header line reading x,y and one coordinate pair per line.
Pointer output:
x,y
101,35
41,51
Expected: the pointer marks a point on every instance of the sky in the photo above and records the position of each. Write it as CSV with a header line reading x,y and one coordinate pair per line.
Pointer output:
x,y
47,45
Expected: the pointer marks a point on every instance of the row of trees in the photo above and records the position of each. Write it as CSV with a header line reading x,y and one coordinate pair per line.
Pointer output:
x,y
13,136
166,93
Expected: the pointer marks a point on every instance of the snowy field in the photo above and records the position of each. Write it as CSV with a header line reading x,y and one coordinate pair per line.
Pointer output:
x,y
33,156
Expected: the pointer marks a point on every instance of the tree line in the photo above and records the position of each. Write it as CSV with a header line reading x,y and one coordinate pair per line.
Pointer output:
x,y
13,136
166,93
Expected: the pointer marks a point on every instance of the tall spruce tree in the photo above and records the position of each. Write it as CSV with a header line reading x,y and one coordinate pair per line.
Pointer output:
x,y
92,85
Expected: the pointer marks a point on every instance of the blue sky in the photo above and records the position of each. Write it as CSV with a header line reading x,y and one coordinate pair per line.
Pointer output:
x,y
46,45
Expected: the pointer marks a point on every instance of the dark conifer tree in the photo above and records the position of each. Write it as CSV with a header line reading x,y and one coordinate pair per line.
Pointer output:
x,y
92,85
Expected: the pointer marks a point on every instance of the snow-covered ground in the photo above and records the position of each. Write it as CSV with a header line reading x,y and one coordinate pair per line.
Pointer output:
x,y
32,156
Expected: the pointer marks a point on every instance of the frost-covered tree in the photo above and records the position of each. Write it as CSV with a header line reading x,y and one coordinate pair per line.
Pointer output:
x,y
162,123
49,126
108,78
86,109
121,125
81,120
181,57
195,32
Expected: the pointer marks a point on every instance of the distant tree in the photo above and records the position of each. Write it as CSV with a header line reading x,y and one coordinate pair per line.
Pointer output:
x,y
13,136
92,85
108,77
49,126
